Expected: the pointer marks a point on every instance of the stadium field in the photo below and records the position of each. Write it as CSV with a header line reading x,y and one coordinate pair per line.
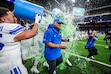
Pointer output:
x,y
80,65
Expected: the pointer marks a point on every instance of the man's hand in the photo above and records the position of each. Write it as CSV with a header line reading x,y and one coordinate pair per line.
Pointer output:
x,y
93,36
37,18
62,46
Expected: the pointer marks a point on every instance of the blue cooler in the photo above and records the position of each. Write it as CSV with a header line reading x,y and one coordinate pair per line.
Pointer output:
x,y
26,10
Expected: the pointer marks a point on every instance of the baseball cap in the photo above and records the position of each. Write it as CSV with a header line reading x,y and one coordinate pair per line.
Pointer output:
x,y
58,21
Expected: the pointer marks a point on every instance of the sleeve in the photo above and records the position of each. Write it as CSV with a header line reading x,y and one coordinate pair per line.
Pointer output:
x,y
17,29
9,31
13,30
47,37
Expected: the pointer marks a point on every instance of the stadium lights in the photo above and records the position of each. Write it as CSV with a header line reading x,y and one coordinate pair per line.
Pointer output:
x,y
73,1
88,0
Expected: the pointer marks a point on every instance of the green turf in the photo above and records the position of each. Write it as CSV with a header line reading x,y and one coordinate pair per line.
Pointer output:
x,y
81,66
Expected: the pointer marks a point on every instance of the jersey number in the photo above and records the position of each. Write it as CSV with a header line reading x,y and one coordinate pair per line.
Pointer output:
x,y
1,45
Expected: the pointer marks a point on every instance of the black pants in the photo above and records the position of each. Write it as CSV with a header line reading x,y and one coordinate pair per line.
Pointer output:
x,y
110,57
53,64
92,51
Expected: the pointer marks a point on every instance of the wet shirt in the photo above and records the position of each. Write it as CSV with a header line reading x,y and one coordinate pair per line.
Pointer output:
x,y
52,35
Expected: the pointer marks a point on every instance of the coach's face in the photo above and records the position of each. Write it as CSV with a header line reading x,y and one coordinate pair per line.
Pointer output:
x,y
9,18
57,25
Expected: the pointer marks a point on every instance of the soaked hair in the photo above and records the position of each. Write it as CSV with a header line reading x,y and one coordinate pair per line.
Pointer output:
x,y
3,11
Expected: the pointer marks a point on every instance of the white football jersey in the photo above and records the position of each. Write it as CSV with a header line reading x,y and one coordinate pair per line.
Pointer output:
x,y
10,53
9,50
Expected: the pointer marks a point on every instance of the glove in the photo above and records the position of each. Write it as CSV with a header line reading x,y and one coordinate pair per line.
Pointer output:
x,y
37,18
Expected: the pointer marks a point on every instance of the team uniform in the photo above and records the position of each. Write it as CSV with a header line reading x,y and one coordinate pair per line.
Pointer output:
x,y
90,46
10,53
52,55
54,36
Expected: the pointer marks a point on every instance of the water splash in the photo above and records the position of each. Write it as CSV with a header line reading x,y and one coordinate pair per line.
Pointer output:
x,y
36,46
68,30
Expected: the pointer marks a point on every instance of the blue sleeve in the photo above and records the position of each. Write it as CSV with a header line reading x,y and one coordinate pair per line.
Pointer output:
x,y
47,37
